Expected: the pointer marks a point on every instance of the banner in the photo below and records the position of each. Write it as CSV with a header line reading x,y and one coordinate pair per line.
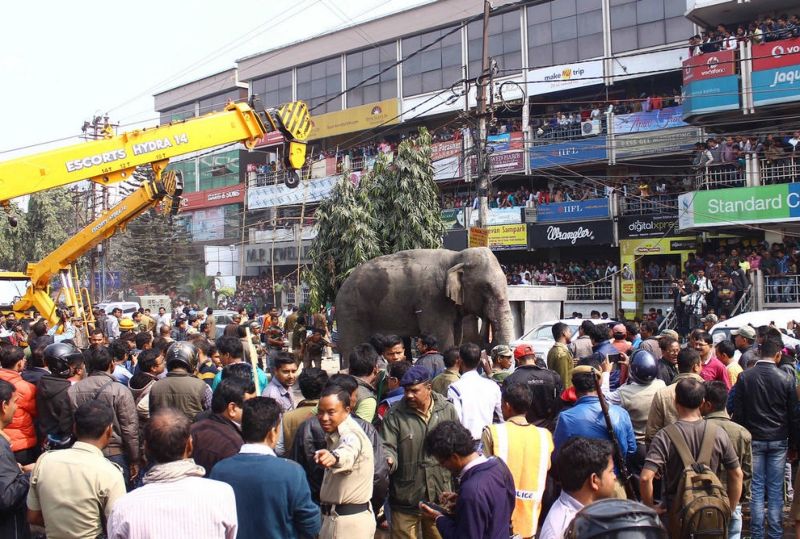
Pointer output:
x,y
637,122
455,217
479,237
572,234
570,211
380,113
502,162
508,237
233,194
742,205
280,195
776,72
208,224
712,95
506,141
661,142
445,169
569,152
443,150
277,254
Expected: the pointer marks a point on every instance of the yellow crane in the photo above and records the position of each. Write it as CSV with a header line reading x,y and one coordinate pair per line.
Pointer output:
x,y
113,159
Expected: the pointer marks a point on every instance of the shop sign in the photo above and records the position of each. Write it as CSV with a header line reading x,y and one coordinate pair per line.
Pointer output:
x,y
232,194
737,206
443,150
508,237
645,226
455,217
776,72
479,237
570,211
277,254
637,122
659,142
711,65
506,141
563,77
502,162
354,119
711,95
569,153
280,195
572,234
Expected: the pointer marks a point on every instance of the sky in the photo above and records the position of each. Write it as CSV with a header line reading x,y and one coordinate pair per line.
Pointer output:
x,y
64,62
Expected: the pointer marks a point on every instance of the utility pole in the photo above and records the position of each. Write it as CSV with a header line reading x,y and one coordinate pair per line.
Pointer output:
x,y
482,157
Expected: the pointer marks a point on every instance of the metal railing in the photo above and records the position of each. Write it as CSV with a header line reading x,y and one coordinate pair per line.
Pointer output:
x,y
548,134
783,289
745,303
597,291
273,177
670,321
658,289
720,177
779,170
647,205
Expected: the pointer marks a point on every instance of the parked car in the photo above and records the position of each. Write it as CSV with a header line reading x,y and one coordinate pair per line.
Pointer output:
x,y
541,337
223,318
780,318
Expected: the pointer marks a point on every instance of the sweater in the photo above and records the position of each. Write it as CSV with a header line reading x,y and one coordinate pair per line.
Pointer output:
x,y
484,506
272,496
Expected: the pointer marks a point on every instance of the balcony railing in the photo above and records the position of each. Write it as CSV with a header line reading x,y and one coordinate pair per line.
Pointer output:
x,y
785,289
597,291
658,289
719,177
779,170
648,205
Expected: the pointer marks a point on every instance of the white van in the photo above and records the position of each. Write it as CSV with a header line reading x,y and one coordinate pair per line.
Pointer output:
x,y
128,307
779,317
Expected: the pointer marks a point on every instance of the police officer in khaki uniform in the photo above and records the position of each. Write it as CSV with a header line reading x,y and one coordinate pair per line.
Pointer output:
x,y
349,468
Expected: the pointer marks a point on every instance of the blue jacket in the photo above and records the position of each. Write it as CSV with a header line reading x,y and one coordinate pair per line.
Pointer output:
x,y
484,506
586,419
273,500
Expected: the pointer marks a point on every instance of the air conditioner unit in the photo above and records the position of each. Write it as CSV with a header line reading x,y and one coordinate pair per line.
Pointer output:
x,y
591,127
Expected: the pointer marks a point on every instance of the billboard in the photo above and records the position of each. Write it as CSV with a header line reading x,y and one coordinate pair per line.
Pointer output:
x,y
569,152
637,122
647,226
386,112
280,195
657,142
508,237
570,211
232,194
742,205
712,65
564,77
455,217
710,83
572,234
776,72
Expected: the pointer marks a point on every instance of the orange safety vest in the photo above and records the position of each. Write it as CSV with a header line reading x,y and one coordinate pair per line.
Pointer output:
x,y
526,450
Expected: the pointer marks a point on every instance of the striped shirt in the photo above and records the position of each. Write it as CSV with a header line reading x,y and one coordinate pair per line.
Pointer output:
x,y
189,507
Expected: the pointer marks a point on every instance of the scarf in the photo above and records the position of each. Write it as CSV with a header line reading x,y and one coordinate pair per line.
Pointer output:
x,y
173,471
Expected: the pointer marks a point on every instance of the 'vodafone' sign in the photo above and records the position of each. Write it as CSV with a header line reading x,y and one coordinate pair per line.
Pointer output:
x,y
709,66
776,54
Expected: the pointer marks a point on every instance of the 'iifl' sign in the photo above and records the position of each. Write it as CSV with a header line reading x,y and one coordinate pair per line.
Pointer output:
x,y
776,72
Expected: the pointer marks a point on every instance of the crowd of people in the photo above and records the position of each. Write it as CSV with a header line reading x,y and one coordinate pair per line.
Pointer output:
x,y
729,153
161,426
730,37
563,273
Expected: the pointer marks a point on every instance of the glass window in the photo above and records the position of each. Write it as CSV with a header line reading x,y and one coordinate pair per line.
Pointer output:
x,y
319,82
187,170
219,170
504,43
564,31
639,24
177,114
435,68
218,102
274,90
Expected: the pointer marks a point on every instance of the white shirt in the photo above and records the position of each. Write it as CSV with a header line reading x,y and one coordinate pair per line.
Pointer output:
x,y
560,516
258,449
477,401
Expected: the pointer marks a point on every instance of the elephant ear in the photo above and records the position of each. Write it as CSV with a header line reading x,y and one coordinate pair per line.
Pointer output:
x,y
453,288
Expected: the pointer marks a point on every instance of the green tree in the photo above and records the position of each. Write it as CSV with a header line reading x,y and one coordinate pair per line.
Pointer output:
x,y
394,208
41,230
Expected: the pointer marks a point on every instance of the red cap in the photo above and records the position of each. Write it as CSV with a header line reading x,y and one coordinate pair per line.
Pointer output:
x,y
523,350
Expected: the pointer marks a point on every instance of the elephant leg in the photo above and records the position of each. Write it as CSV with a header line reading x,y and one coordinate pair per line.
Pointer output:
x,y
440,325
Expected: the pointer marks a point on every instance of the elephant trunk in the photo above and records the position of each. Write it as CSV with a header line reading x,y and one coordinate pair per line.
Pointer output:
x,y
501,322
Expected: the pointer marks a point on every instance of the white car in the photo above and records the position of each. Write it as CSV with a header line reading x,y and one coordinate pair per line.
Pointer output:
x,y
128,307
780,318
541,337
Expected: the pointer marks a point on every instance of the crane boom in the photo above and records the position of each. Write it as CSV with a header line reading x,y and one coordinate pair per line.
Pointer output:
x,y
114,159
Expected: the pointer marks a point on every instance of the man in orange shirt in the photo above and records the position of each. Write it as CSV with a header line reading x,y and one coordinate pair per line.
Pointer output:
x,y
21,431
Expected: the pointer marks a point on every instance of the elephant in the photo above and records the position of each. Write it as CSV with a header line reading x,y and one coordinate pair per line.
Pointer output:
x,y
423,291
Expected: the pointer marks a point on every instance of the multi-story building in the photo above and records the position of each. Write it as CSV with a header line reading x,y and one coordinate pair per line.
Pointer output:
x,y
590,138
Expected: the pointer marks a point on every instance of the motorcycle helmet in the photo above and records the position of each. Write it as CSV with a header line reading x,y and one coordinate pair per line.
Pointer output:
x,y
58,357
613,518
643,367
182,355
